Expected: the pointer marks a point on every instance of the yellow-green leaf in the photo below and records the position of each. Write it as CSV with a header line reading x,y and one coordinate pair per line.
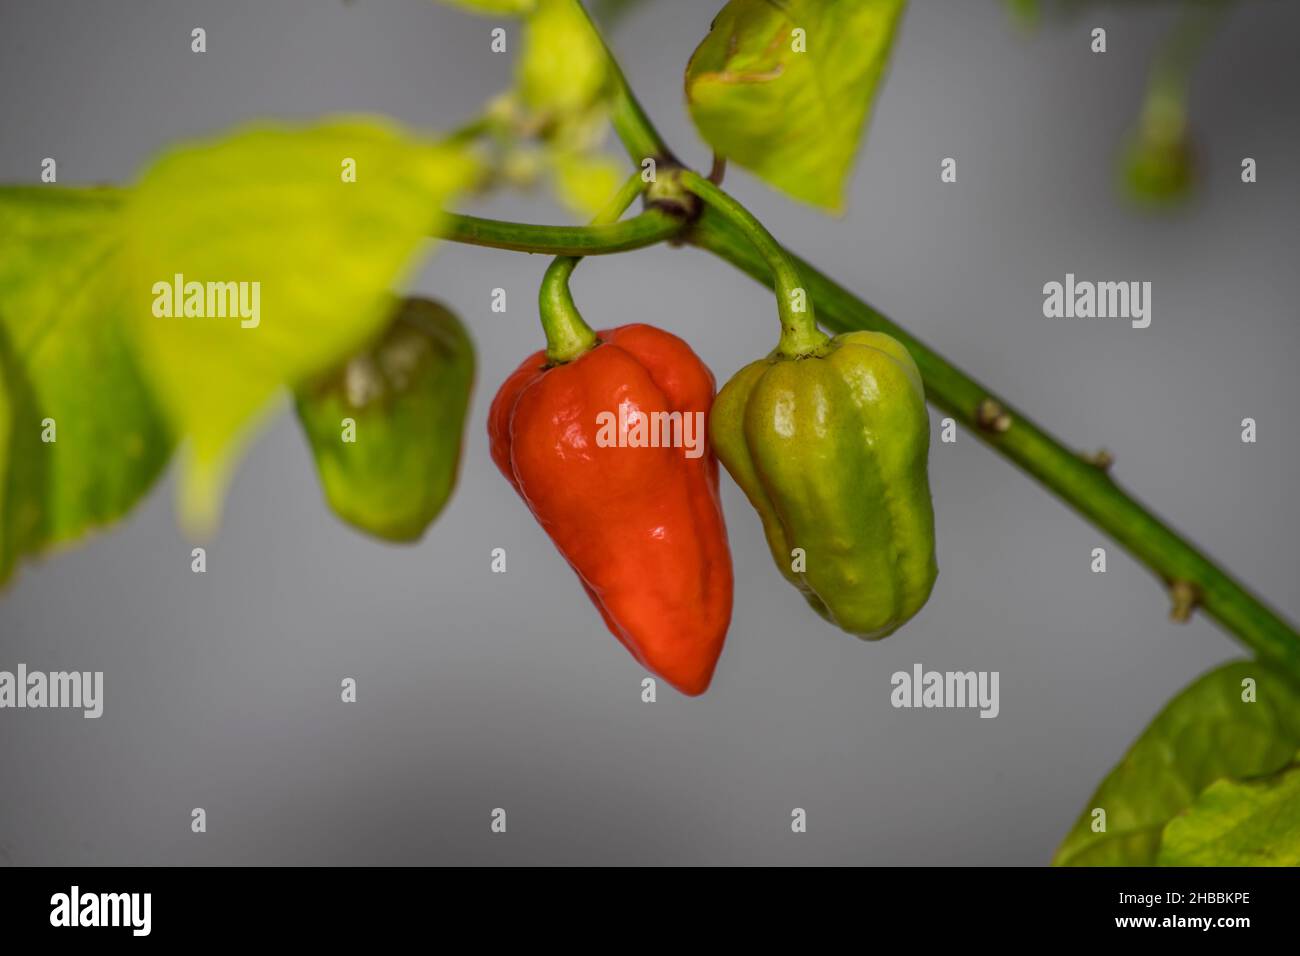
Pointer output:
x,y
81,439
585,182
494,7
296,235
1250,823
784,88
1240,720
6,457
564,65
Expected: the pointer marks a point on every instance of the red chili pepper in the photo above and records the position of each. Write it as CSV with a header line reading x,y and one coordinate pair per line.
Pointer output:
x,y
642,526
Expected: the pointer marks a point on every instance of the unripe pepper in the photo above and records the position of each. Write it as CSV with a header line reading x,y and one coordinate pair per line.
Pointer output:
x,y
641,526
830,447
406,395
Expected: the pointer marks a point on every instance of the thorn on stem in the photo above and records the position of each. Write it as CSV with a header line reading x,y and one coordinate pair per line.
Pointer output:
x,y
992,417
1101,460
1185,597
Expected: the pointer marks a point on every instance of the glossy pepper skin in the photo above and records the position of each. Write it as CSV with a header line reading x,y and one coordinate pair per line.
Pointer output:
x,y
831,449
642,527
408,394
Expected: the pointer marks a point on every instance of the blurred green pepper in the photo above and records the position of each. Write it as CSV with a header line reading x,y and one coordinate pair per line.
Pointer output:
x,y
390,471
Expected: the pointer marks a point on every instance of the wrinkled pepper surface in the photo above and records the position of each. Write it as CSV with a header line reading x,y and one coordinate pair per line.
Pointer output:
x,y
641,526
831,448
407,395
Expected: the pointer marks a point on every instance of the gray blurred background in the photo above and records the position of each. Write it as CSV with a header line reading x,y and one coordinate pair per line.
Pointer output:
x,y
480,690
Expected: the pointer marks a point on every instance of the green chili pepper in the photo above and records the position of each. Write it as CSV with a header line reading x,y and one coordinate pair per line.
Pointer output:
x,y
830,447
391,470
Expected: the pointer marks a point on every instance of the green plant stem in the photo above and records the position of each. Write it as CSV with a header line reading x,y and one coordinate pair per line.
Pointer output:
x,y
1164,109
630,122
567,334
1083,485
799,333
1163,123
646,229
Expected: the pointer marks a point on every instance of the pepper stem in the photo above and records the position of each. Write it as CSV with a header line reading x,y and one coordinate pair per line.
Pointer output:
x,y
567,334
799,333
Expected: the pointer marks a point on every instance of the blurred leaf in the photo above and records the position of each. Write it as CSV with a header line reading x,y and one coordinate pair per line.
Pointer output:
x,y
1255,823
494,7
552,126
585,181
268,207
406,396
1206,733
793,118
564,66
64,357
7,417
1024,12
